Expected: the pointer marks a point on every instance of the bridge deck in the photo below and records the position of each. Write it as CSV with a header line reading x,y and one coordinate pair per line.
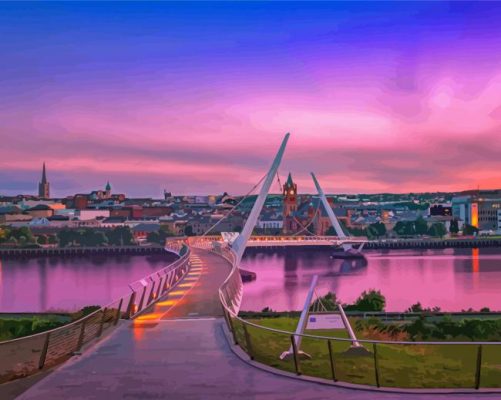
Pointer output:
x,y
163,357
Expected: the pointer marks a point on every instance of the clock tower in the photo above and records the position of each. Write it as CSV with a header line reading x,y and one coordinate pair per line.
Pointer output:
x,y
290,196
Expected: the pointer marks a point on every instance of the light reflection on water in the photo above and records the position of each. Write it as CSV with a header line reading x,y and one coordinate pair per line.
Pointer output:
x,y
453,279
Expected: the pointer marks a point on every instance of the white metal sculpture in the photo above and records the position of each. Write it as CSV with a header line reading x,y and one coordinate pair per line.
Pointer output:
x,y
238,245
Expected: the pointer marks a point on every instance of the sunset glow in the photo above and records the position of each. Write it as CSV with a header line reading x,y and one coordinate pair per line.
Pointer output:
x,y
385,97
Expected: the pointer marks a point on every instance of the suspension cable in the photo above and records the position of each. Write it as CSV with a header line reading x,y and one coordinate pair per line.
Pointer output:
x,y
235,206
308,225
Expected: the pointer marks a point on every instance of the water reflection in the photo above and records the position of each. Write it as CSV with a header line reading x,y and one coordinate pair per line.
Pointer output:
x,y
69,283
452,279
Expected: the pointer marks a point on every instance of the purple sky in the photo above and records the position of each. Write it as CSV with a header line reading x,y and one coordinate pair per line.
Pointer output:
x,y
195,98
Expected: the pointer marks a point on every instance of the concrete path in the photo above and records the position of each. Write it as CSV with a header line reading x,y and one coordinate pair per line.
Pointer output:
x,y
162,356
182,359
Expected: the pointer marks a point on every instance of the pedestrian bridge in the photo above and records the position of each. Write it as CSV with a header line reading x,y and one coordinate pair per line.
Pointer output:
x,y
286,241
169,342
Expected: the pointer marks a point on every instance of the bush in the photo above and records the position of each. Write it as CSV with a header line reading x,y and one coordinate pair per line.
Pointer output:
x,y
371,300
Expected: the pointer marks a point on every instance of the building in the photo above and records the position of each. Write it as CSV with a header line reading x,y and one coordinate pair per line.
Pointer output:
x,y
40,211
289,192
43,185
88,214
480,210
441,210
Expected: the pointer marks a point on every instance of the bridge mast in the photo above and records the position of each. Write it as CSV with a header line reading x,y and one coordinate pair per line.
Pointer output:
x,y
335,223
240,242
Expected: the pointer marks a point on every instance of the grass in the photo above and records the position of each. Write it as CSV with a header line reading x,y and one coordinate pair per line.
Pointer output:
x,y
13,326
409,366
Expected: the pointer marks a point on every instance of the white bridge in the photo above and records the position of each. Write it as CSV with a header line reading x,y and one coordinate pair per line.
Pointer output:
x,y
278,241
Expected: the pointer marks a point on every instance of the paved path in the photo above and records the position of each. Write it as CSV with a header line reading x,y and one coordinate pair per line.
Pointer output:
x,y
182,359
189,358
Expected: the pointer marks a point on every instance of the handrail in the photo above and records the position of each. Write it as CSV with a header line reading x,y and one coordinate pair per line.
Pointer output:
x,y
53,346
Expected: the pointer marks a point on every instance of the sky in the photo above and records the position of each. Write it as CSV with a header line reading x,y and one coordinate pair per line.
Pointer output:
x,y
196,97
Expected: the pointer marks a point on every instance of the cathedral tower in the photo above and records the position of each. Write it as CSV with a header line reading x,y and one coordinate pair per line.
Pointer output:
x,y
43,186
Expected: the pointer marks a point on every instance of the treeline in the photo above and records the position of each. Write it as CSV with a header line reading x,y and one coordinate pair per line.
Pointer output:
x,y
447,329
369,300
23,237
17,236
419,227
159,236
118,236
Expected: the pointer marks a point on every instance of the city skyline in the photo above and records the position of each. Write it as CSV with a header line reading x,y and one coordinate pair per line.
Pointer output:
x,y
387,98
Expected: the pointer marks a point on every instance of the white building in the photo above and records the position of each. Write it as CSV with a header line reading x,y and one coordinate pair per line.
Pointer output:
x,y
87,214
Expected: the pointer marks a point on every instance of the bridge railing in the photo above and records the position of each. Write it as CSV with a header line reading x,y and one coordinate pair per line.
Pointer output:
x,y
381,363
29,354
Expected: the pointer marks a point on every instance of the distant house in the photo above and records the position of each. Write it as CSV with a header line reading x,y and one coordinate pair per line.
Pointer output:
x,y
141,231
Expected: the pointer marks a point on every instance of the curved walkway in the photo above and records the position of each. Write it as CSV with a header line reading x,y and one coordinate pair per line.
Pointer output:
x,y
164,356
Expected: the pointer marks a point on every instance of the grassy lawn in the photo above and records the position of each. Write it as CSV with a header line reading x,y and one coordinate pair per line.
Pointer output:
x,y
13,325
412,366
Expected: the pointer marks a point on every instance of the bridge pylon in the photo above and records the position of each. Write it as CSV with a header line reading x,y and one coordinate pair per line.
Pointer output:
x,y
239,244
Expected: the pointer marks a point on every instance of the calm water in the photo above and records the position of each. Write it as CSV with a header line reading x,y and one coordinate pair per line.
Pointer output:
x,y
451,279
50,284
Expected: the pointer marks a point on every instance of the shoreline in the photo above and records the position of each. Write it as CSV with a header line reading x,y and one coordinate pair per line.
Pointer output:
x,y
80,251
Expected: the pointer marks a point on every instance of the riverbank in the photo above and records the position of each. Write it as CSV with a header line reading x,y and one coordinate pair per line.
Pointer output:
x,y
429,243
79,251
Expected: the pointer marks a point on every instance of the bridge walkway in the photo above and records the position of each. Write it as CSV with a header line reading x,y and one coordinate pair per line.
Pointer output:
x,y
169,355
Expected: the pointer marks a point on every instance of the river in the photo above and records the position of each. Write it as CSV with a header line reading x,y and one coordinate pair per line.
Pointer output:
x,y
70,283
452,279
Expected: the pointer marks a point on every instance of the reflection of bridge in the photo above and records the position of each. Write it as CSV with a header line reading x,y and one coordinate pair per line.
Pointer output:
x,y
176,347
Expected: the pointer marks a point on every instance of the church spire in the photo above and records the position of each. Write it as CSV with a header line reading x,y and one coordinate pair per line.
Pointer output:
x,y
44,175
43,185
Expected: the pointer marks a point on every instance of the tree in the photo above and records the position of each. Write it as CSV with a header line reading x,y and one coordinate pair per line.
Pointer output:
x,y
437,229
371,300
68,237
92,238
376,230
153,237
454,227
469,230
52,239
120,236
188,230
329,302
421,227
415,308
22,234
405,228
42,239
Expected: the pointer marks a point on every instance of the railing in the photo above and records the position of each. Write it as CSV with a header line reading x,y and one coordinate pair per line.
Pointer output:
x,y
381,363
26,355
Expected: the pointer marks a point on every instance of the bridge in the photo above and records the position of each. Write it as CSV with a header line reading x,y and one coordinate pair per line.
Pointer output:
x,y
178,335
